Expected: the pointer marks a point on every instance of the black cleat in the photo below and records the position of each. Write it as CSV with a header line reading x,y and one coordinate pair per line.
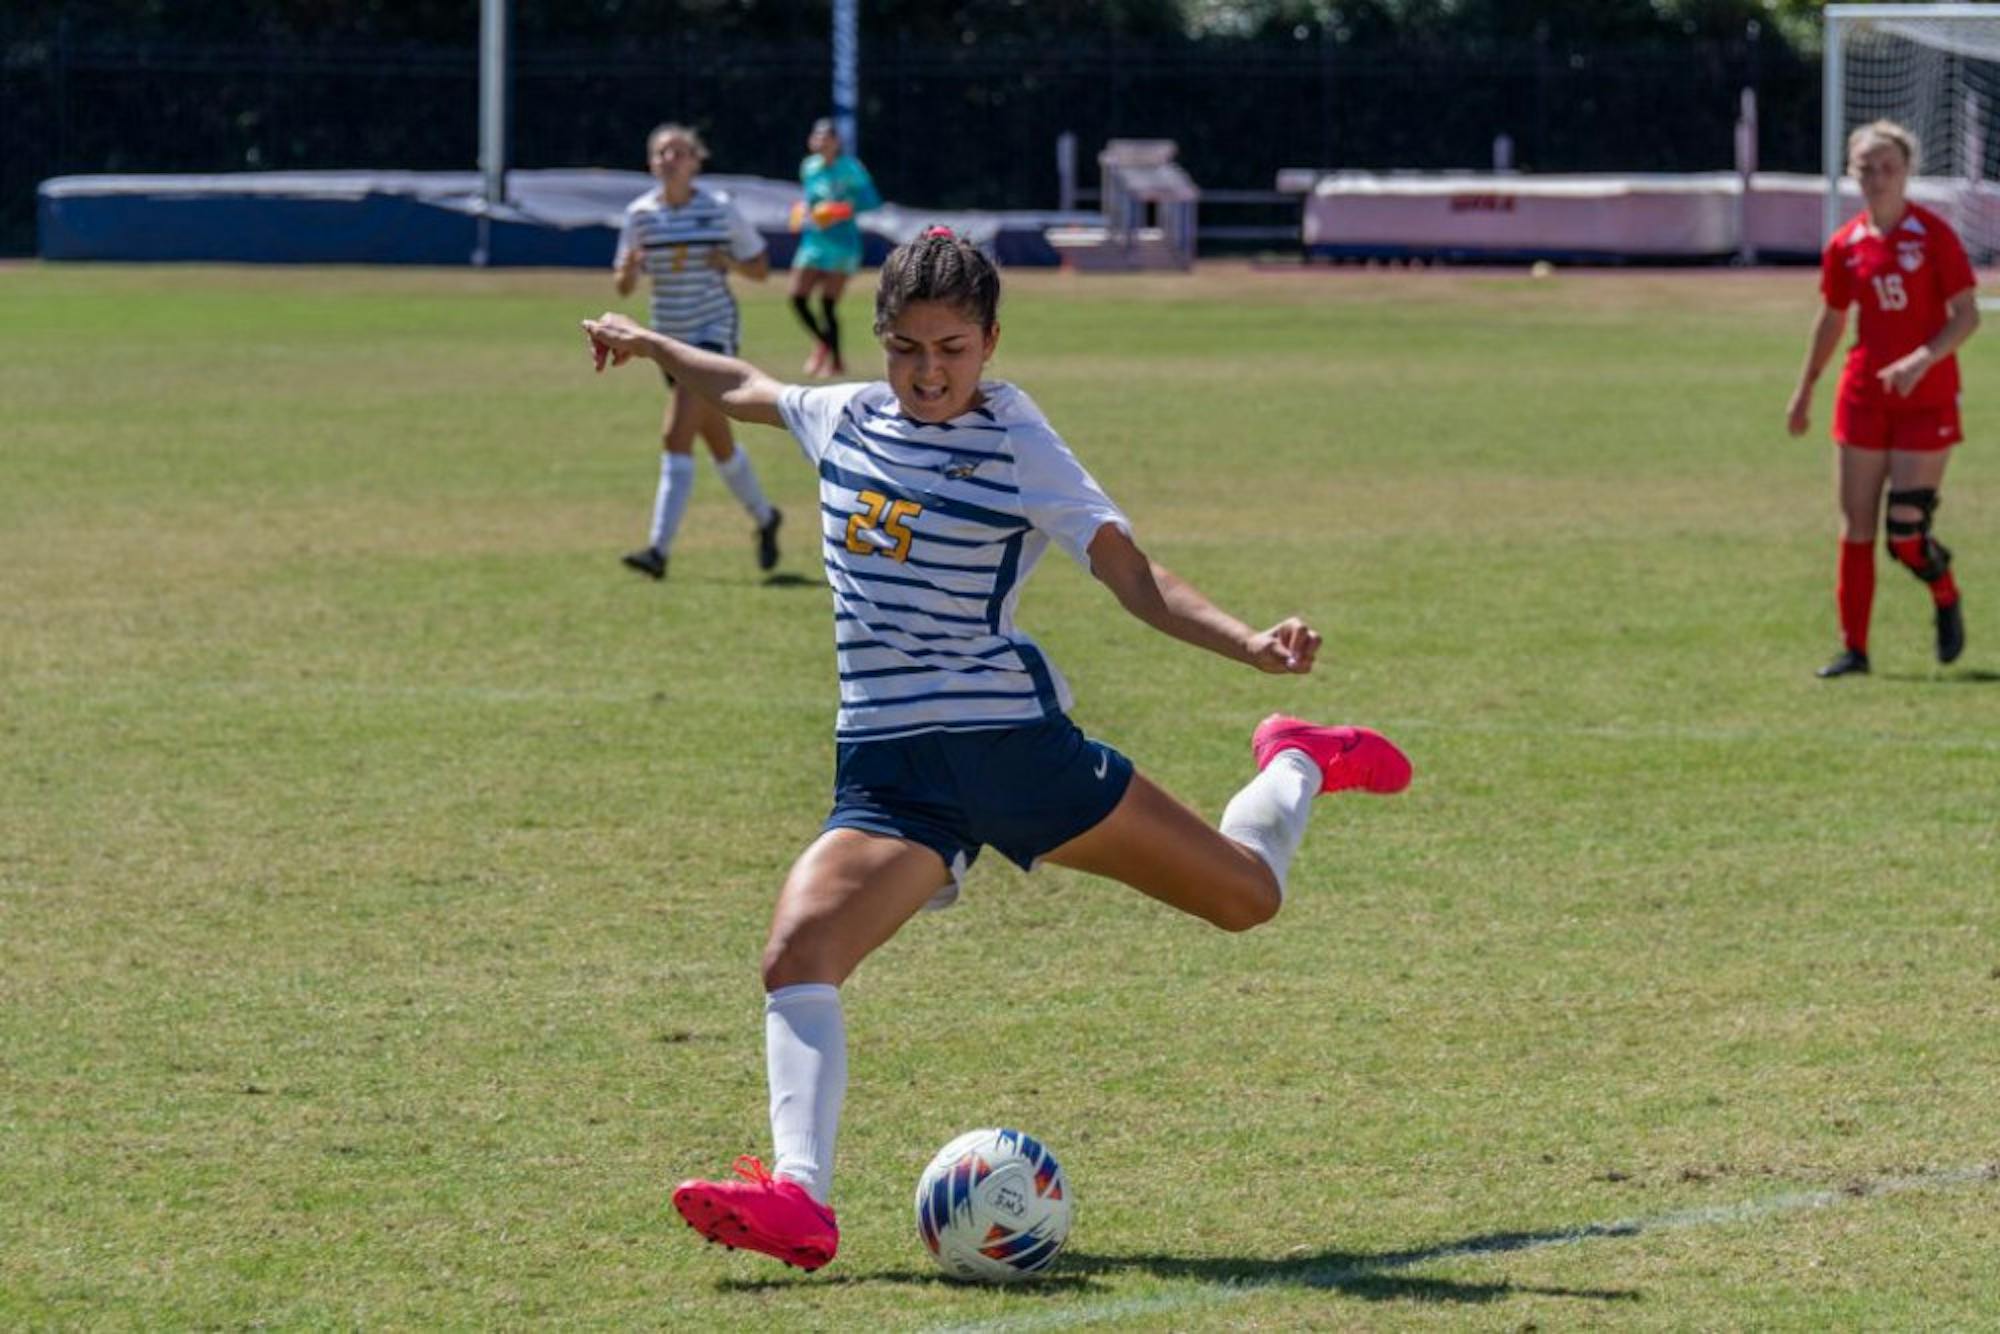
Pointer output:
x,y
767,539
646,561
1950,632
1850,662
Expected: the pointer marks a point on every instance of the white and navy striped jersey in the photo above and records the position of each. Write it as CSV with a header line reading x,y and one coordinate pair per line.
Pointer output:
x,y
929,531
691,301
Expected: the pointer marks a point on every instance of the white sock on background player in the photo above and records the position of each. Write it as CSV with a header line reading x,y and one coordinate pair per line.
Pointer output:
x,y
670,502
742,479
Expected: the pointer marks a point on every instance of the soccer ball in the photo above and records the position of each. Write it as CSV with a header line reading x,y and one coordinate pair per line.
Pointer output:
x,y
993,1207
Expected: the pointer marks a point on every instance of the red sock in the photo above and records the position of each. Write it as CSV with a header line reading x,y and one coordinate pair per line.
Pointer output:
x,y
1856,592
1910,551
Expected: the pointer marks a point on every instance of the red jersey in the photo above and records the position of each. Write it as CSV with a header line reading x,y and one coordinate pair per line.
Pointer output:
x,y
1901,282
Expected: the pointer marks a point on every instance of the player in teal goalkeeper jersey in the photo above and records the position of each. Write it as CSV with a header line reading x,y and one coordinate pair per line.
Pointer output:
x,y
837,187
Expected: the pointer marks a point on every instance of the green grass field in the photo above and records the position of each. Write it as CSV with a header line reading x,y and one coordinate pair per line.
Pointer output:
x,y
383,870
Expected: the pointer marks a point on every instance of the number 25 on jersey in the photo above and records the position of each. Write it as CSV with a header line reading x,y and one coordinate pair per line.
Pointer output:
x,y
1889,293
891,516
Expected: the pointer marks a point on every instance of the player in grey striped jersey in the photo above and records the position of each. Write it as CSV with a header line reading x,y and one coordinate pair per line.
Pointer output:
x,y
939,489
687,239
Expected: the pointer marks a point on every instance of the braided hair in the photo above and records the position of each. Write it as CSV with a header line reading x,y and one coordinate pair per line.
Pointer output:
x,y
939,265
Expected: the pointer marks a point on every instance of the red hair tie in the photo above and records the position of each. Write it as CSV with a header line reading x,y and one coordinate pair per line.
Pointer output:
x,y
937,231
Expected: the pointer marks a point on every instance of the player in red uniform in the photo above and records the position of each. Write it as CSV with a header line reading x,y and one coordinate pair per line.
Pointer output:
x,y
1895,417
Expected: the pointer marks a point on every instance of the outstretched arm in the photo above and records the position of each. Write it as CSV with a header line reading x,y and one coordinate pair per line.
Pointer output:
x,y
738,388
1171,605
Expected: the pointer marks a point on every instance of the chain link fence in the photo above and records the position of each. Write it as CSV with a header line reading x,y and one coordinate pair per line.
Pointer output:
x,y
971,126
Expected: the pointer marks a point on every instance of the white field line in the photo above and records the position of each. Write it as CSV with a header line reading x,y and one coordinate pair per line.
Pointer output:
x,y
1333,1277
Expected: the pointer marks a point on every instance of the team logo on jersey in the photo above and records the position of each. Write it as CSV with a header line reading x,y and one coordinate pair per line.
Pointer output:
x,y
960,468
1910,254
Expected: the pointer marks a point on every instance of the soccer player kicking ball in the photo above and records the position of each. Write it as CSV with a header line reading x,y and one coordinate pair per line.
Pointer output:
x,y
939,491
1895,418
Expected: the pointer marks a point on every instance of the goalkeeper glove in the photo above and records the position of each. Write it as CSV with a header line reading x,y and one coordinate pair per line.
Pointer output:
x,y
830,211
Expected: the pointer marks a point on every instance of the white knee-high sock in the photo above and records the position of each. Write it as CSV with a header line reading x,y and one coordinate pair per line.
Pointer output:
x,y
670,502
805,1054
1269,815
742,479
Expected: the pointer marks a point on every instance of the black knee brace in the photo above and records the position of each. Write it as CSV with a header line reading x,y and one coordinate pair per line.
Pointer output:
x,y
1935,555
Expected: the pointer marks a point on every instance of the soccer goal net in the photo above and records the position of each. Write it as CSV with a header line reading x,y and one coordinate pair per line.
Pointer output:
x,y
1935,68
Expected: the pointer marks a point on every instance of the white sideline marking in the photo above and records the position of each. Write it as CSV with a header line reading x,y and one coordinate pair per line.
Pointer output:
x,y
1210,1294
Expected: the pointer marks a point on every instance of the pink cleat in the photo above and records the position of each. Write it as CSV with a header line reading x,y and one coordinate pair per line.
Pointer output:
x,y
1347,756
774,1215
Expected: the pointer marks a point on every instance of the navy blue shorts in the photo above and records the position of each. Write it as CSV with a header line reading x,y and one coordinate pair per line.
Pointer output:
x,y
1024,790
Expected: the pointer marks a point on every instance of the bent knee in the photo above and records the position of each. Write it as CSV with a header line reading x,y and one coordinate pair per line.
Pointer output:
x,y
1256,905
784,963
792,958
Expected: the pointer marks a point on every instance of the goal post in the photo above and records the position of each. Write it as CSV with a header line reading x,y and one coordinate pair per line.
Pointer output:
x,y
1936,69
